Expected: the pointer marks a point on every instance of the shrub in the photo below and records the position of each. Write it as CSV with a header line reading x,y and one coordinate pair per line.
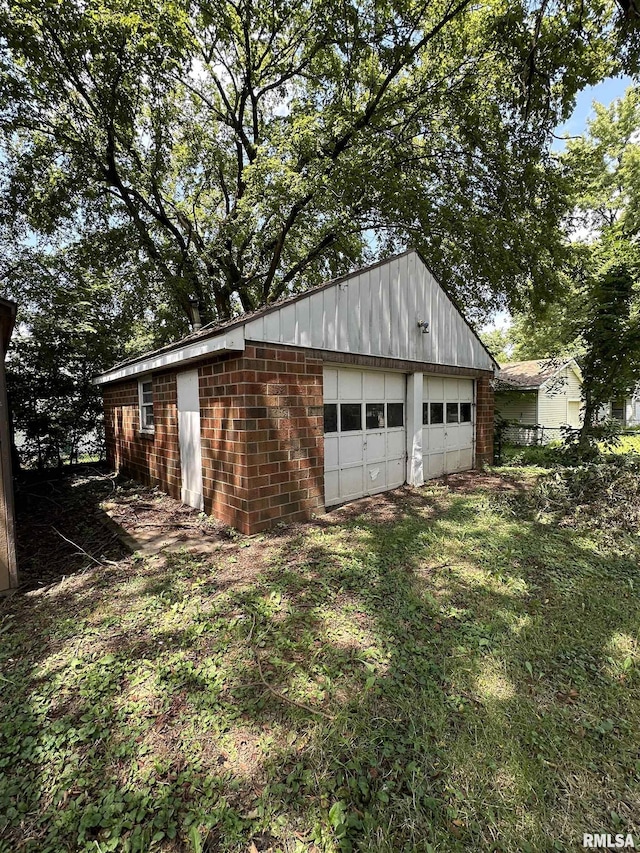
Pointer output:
x,y
541,455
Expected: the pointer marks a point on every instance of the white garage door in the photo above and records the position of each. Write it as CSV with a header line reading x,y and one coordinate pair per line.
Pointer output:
x,y
447,431
364,433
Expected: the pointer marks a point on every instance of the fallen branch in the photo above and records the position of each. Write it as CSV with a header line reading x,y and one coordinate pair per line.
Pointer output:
x,y
280,695
81,550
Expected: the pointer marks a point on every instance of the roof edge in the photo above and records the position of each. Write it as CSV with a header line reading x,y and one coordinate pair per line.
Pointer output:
x,y
223,329
198,349
571,362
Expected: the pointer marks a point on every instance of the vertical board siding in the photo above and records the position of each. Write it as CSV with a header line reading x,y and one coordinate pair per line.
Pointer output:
x,y
376,312
354,330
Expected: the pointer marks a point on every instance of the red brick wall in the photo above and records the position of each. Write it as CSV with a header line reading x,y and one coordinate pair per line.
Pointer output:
x,y
155,458
261,423
484,421
262,436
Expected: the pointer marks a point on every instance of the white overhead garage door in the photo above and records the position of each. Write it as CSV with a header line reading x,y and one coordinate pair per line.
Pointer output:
x,y
364,433
447,431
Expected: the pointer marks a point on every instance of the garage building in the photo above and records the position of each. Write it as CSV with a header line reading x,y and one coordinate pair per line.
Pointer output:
x,y
353,388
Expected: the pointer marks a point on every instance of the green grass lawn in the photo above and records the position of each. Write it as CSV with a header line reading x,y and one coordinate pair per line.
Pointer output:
x,y
438,670
629,444
548,455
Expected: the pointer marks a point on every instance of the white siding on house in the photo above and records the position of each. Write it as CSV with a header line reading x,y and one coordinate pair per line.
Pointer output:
x,y
555,404
376,312
518,406
554,397
633,416
631,411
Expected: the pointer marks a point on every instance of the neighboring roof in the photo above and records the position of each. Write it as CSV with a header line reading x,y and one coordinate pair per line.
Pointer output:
x,y
531,375
8,310
226,336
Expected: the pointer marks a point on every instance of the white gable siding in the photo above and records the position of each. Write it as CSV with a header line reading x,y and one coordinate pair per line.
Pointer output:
x,y
376,312
554,397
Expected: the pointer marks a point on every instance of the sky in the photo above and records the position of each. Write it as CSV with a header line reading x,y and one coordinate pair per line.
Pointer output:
x,y
603,93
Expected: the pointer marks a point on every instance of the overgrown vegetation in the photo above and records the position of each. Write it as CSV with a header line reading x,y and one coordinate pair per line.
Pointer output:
x,y
595,315
602,493
441,670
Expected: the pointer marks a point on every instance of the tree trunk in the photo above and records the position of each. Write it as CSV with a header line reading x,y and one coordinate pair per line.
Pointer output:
x,y
590,411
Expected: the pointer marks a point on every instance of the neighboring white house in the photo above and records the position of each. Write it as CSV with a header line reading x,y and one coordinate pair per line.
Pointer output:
x,y
543,396
626,409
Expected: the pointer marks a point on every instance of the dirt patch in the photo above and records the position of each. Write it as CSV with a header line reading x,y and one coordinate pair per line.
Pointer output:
x,y
154,522
57,528
383,508
473,481
392,506
71,521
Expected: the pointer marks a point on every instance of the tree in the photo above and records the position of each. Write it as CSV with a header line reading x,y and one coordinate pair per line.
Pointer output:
x,y
498,342
611,363
69,329
254,148
603,170
602,173
553,328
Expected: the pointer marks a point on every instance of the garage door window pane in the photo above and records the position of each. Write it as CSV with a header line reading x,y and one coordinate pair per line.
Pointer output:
x,y
350,417
395,414
452,413
331,417
437,413
375,415
465,413
425,413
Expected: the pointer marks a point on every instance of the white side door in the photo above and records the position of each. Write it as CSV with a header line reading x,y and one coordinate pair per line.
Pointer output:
x,y
189,438
574,413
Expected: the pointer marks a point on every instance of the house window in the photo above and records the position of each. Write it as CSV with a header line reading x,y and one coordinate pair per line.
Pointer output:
x,y
145,401
617,410
452,413
465,413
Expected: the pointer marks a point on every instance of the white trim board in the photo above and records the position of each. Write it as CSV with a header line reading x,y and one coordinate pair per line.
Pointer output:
x,y
233,341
